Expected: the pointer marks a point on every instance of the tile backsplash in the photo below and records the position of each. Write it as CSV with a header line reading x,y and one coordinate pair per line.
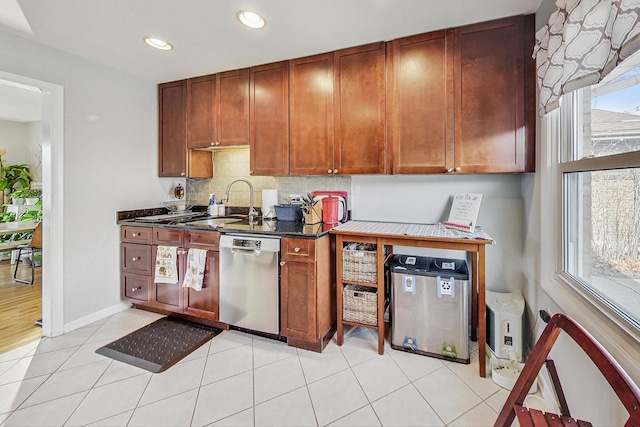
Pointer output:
x,y
233,164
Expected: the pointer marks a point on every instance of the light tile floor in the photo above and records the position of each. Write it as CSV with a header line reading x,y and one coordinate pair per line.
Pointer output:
x,y
239,380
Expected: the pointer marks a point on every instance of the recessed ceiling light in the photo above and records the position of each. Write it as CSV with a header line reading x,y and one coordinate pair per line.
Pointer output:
x,y
157,43
250,19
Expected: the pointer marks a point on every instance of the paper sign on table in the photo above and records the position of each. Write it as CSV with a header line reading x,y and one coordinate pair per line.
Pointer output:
x,y
464,211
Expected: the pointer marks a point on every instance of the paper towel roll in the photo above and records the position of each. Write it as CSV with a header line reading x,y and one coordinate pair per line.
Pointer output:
x,y
269,200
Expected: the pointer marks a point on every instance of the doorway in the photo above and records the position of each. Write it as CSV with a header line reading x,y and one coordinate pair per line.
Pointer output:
x,y
52,200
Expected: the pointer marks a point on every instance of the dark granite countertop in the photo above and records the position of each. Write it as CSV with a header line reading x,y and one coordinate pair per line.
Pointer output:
x,y
199,220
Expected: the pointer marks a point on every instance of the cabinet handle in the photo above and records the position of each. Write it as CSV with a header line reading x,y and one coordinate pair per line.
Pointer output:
x,y
282,263
217,143
213,143
335,171
135,258
458,169
136,289
181,173
297,249
182,252
329,171
450,170
135,234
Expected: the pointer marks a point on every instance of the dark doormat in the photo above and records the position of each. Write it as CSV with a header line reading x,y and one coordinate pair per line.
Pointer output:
x,y
160,344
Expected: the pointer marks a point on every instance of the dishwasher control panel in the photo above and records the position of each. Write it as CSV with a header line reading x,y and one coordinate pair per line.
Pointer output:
x,y
246,244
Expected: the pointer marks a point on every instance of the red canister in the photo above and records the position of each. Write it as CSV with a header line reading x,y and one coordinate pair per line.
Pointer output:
x,y
330,210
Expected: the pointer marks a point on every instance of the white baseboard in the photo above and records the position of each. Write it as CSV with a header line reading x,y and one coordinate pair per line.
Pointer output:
x,y
84,321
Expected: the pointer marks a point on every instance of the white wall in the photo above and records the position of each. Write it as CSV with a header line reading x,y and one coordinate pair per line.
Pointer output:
x,y
110,164
13,138
427,199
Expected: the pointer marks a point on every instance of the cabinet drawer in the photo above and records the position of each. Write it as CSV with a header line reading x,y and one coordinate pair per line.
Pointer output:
x,y
135,234
168,236
136,258
202,239
135,286
299,249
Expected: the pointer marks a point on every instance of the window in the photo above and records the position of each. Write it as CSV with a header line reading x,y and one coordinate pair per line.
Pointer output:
x,y
597,177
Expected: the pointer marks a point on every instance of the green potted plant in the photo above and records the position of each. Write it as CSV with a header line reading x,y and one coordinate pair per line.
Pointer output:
x,y
14,175
30,195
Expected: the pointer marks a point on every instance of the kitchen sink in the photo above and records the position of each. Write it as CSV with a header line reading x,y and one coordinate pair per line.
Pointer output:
x,y
213,222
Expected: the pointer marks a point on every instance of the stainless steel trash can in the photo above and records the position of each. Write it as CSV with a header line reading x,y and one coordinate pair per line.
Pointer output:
x,y
430,307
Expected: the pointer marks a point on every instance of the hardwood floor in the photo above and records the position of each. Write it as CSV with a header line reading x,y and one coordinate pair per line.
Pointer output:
x,y
20,307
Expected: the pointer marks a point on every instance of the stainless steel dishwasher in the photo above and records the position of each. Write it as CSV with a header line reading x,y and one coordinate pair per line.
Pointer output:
x,y
249,282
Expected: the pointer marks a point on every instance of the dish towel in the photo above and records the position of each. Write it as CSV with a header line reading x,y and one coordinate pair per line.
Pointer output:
x,y
196,262
166,265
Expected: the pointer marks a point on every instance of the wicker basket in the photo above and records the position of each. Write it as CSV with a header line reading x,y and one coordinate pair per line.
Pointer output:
x,y
360,304
359,266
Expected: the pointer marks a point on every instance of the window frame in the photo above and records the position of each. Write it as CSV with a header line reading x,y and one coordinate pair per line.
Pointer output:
x,y
613,330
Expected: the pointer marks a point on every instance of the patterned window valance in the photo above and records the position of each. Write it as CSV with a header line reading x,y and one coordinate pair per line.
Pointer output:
x,y
583,42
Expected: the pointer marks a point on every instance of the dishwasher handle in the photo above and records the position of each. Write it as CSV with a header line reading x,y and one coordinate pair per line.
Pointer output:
x,y
243,251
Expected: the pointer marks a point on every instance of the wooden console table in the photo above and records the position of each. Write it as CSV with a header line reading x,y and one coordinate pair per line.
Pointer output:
x,y
387,234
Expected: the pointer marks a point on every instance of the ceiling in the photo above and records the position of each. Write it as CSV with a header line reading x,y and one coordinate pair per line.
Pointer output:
x,y
208,38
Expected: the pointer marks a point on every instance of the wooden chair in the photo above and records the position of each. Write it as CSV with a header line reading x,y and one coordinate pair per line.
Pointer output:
x,y
622,385
31,248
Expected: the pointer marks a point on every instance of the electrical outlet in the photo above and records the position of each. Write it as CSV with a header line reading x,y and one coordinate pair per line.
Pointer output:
x,y
545,316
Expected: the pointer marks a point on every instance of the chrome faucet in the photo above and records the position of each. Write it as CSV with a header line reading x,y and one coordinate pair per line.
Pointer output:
x,y
253,214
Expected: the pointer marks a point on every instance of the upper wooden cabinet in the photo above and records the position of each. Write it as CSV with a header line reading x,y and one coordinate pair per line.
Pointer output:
x,y
172,100
420,110
218,110
201,112
269,124
463,99
311,114
337,110
494,92
459,100
174,159
359,108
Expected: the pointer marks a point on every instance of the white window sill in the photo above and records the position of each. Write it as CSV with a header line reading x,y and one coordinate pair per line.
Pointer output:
x,y
612,332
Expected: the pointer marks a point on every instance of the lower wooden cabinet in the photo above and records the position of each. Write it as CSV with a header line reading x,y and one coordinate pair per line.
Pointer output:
x,y
298,308
205,303
137,266
169,296
307,282
307,287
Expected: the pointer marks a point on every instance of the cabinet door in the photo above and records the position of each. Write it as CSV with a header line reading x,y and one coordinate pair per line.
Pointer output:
x,y
172,104
298,300
169,296
232,96
359,103
204,303
311,115
269,119
489,75
420,119
201,112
